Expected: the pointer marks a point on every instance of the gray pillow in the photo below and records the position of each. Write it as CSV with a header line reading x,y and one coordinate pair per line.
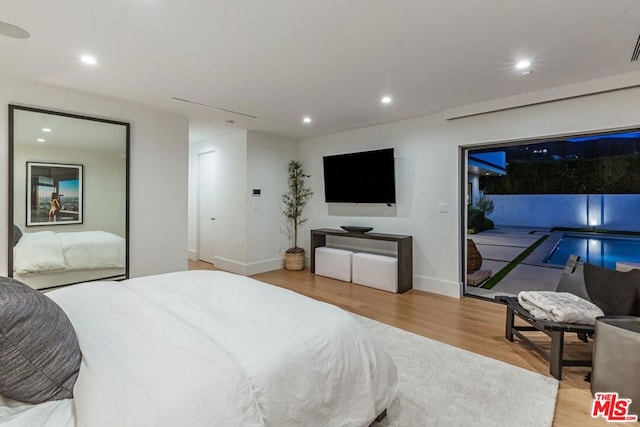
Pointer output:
x,y
617,293
17,234
39,352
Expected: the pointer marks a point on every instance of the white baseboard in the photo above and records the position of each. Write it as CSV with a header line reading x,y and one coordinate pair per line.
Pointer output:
x,y
437,286
263,266
428,284
192,254
248,269
229,265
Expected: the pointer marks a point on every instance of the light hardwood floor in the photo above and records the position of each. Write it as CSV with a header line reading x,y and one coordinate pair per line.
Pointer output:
x,y
469,323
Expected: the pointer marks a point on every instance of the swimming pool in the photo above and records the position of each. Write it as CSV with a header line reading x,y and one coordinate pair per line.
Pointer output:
x,y
602,250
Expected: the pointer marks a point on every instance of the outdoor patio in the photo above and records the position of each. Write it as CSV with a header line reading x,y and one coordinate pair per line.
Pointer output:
x,y
502,245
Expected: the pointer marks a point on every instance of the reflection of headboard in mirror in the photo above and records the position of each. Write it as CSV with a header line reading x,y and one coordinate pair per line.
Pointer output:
x,y
68,194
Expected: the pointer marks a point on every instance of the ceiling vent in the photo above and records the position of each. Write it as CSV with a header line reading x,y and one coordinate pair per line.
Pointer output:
x,y
636,51
213,107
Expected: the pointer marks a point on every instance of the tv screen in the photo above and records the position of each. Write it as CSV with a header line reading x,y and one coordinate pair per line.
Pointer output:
x,y
365,177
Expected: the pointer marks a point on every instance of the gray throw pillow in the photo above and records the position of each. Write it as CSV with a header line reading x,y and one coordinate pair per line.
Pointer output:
x,y
39,351
17,234
617,293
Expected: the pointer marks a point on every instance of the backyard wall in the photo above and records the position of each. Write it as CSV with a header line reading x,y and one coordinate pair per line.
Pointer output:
x,y
603,211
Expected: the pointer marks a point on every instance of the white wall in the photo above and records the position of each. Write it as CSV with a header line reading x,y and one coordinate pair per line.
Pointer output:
x,y
268,230
250,231
427,170
230,188
603,211
158,171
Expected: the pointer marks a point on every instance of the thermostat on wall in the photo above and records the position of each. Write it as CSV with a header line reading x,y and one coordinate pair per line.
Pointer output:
x,y
256,192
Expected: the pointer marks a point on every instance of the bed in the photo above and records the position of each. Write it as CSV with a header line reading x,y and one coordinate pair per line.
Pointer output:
x,y
45,258
208,348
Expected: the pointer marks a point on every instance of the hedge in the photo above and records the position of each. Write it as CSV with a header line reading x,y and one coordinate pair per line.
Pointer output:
x,y
607,175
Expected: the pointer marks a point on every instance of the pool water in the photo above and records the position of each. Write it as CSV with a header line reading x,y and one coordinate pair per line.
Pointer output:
x,y
604,251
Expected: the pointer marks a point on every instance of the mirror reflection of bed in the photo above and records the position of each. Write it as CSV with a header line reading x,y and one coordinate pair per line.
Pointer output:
x,y
46,259
68,200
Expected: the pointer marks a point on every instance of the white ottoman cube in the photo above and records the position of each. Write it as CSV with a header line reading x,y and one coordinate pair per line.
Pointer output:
x,y
334,263
376,271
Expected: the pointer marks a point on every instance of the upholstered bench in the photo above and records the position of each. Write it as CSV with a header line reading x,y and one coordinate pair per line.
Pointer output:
x,y
334,263
375,271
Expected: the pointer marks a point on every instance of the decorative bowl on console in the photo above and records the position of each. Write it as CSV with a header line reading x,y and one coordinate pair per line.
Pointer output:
x,y
356,229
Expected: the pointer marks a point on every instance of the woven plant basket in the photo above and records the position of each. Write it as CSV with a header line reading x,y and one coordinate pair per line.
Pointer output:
x,y
474,259
294,261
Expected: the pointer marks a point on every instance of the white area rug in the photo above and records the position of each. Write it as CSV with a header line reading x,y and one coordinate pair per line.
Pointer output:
x,y
441,385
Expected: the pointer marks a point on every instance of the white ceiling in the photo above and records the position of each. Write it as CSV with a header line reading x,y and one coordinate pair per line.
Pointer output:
x,y
331,59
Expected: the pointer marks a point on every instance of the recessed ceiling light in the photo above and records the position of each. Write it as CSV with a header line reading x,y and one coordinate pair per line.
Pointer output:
x,y
41,140
521,65
307,119
89,59
386,99
46,129
526,72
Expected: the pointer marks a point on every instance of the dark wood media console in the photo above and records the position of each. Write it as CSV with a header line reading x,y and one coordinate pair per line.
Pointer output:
x,y
404,244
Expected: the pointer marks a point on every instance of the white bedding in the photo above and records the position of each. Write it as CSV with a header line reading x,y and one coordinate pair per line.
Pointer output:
x,y
46,251
211,348
58,413
38,252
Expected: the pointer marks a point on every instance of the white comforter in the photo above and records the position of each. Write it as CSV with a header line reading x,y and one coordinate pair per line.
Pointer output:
x,y
215,349
46,251
562,307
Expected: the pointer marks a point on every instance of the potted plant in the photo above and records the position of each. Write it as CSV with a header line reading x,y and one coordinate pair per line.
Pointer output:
x,y
294,201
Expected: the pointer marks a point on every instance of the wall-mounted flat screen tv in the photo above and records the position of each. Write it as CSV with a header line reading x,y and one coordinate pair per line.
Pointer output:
x,y
364,177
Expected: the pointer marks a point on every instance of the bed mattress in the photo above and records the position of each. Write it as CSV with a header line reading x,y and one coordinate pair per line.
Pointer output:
x,y
205,348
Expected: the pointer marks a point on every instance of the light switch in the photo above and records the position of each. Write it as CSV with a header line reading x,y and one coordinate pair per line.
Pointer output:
x,y
443,207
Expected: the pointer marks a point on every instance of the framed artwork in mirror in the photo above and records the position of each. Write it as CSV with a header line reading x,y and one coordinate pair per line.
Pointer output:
x,y
54,194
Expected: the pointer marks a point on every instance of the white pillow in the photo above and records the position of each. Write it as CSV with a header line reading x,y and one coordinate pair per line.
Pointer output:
x,y
38,253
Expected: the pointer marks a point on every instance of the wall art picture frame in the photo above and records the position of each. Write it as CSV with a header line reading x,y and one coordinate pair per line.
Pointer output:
x,y
54,194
